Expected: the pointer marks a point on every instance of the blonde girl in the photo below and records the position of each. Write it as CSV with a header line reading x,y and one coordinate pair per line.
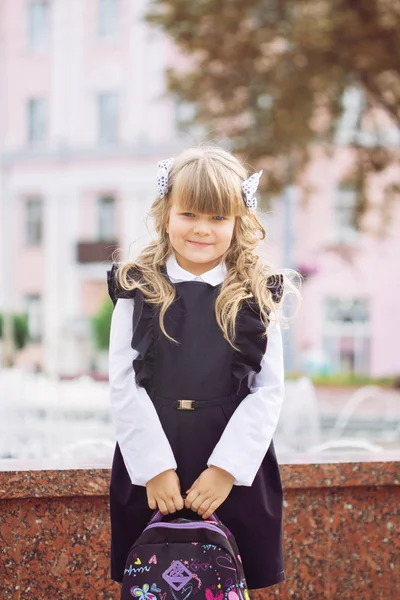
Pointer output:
x,y
196,367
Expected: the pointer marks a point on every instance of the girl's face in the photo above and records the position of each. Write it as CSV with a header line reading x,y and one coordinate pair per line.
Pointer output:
x,y
199,240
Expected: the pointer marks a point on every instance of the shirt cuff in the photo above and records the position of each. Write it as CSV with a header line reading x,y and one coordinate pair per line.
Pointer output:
x,y
234,470
152,471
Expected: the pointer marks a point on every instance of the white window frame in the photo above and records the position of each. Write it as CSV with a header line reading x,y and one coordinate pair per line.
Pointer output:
x,y
344,205
108,12
34,220
335,329
106,211
38,24
37,120
34,311
108,117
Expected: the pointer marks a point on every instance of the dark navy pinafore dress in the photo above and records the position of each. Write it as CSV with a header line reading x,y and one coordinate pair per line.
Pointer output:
x,y
206,369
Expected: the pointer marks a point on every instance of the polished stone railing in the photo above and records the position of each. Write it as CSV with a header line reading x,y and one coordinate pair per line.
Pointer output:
x,y
342,531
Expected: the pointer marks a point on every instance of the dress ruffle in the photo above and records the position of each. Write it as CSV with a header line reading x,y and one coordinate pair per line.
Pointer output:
x,y
275,285
114,289
143,341
249,327
142,324
251,346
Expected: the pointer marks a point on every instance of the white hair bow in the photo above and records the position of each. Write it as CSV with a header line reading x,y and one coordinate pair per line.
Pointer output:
x,y
249,188
164,167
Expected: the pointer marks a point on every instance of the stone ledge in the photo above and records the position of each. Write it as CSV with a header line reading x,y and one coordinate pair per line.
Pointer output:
x,y
341,531
51,479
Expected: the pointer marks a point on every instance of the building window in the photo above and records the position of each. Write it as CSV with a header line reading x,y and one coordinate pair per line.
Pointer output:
x,y
34,221
346,337
349,123
38,24
37,120
106,218
108,117
108,17
33,310
345,203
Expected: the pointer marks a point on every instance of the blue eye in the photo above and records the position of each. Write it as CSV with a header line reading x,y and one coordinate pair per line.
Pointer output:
x,y
188,214
219,218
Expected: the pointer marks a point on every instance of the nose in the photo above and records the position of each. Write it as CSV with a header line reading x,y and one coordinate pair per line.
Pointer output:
x,y
202,229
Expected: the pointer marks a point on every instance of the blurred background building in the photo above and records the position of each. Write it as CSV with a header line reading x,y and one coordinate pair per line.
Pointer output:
x,y
83,122
84,117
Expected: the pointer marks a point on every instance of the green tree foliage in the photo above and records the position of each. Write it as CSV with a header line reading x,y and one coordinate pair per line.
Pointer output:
x,y
20,330
101,324
270,74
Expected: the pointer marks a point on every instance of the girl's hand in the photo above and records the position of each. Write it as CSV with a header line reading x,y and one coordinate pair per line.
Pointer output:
x,y
209,491
164,492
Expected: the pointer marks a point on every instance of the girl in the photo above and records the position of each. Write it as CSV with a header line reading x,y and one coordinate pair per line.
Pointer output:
x,y
196,370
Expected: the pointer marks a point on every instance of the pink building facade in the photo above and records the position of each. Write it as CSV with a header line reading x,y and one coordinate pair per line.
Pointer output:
x,y
350,305
84,119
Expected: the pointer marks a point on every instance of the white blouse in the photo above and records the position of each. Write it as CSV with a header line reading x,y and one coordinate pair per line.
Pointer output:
x,y
144,446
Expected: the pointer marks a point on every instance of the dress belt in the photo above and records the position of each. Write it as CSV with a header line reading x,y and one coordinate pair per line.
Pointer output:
x,y
195,404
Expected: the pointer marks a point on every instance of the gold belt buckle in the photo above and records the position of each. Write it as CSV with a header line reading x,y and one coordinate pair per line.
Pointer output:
x,y
185,404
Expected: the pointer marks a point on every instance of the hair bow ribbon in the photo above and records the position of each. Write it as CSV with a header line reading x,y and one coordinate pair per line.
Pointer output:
x,y
164,167
249,188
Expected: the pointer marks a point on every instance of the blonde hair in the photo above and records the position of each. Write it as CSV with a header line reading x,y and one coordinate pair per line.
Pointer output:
x,y
208,180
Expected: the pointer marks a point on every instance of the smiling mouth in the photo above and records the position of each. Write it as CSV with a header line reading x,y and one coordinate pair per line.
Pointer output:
x,y
201,244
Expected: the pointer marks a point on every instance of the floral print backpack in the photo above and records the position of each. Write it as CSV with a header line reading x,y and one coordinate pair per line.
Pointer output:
x,y
183,559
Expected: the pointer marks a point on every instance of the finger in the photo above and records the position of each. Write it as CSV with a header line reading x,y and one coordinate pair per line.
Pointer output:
x,y
178,502
170,505
205,505
152,502
212,508
162,507
198,502
190,498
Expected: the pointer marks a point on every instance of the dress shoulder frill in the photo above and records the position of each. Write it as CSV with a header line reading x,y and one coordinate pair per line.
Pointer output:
x,y
251,343
142,323
115,291
275,285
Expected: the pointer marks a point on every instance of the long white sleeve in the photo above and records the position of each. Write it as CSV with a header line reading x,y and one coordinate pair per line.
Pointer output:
x,y
144,446
248,434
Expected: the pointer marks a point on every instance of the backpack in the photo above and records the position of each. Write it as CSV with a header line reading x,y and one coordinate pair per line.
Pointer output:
x,y
184,558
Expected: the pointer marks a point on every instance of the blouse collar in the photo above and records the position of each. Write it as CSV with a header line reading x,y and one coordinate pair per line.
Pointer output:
x,y
213,277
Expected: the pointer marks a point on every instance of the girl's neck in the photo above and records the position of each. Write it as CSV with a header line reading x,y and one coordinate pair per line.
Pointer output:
x,y
196,268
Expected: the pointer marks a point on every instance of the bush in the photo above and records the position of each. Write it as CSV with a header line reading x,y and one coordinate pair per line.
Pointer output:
x,y
101,324
20,330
